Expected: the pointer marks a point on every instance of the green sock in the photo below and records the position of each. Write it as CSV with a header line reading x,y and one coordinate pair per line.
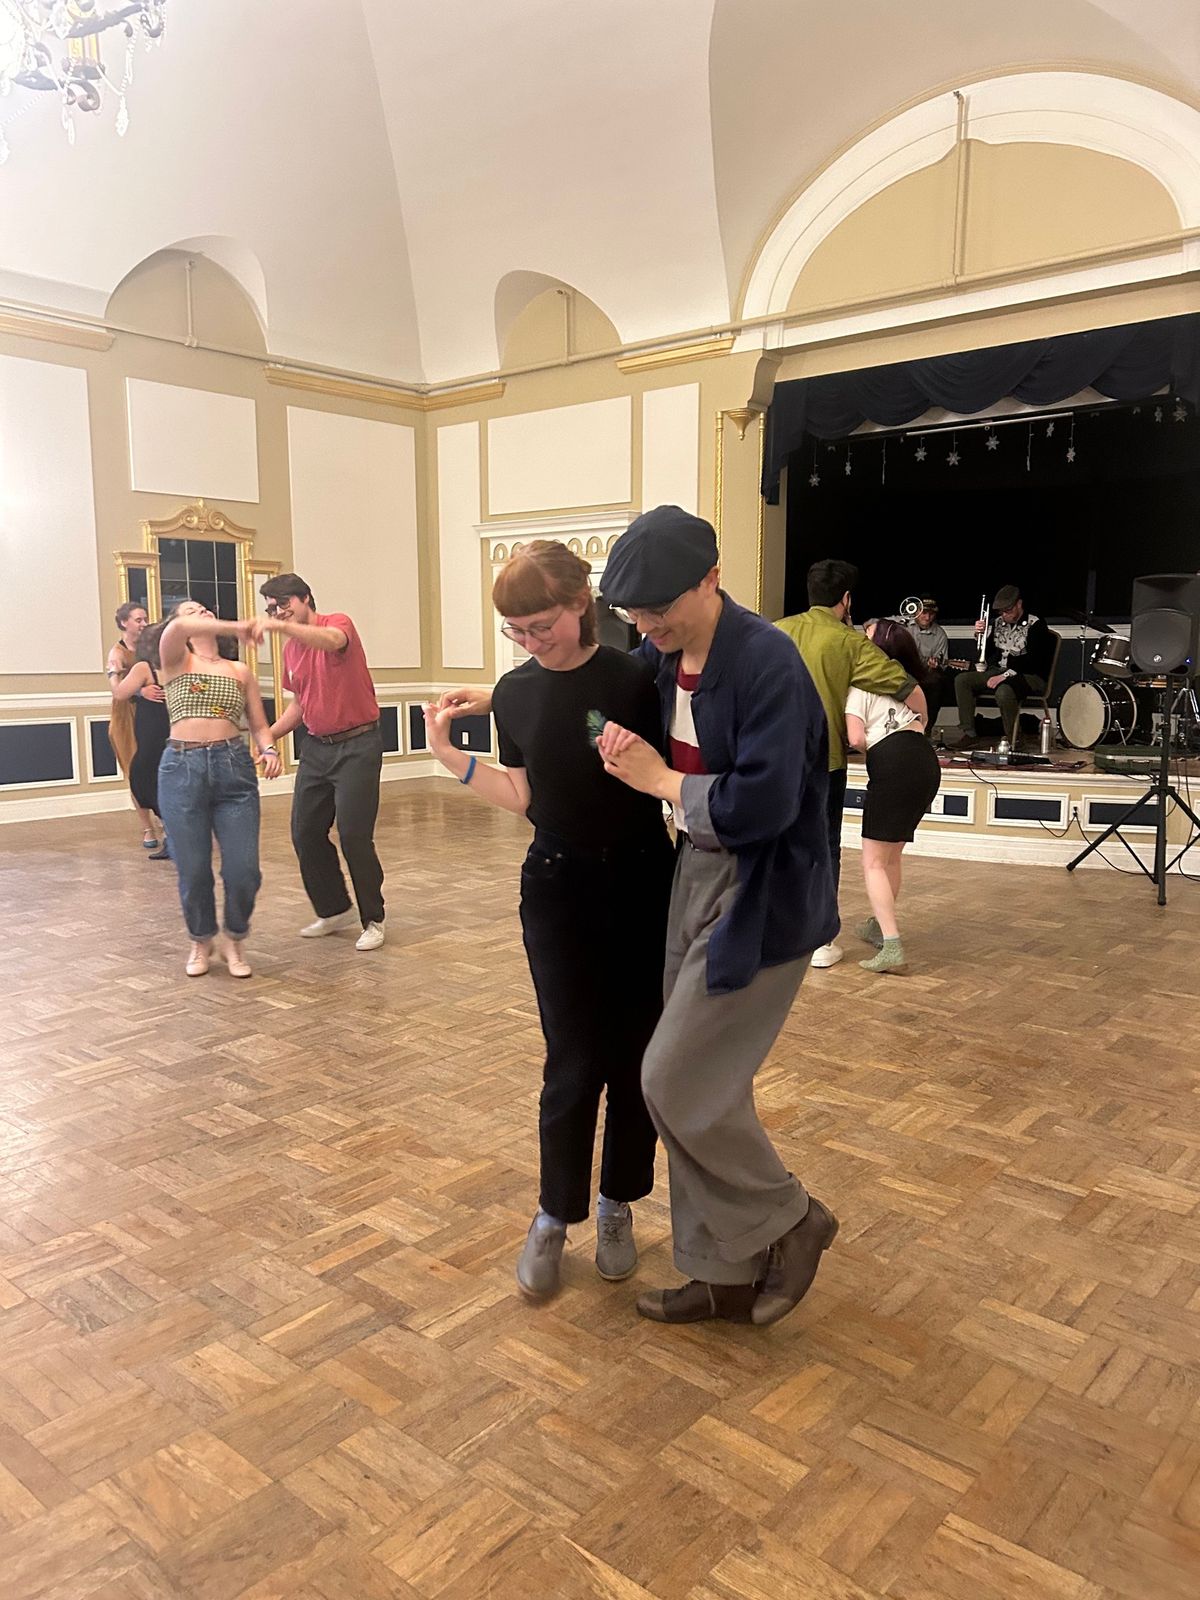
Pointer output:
x,y
891,955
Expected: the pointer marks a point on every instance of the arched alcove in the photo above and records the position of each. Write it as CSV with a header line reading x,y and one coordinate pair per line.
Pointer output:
x,y
540,318
212,289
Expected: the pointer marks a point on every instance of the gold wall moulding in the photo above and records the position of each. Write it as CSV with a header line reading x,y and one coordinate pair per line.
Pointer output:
x,y
742,417
82,338
676,355
377,394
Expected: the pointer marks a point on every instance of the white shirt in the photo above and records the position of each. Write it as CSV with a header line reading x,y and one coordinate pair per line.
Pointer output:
x,y
879,713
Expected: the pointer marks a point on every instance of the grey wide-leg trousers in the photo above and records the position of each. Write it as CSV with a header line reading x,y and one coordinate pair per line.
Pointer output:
x,y
731,1195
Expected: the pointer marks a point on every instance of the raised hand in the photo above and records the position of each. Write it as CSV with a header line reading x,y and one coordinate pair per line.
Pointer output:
x,y
473,700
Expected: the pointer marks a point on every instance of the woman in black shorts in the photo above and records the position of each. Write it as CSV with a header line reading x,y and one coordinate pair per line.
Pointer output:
x,y
151,725
903,777
595,886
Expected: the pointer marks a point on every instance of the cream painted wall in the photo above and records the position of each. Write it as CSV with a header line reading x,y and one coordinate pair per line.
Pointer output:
x,y
191,443
460,597
47,520
558,322
578,455
1026,203
671,447
354,526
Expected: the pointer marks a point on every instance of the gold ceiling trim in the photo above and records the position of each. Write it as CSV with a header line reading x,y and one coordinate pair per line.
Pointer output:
x,y
377,394
55,332
677,355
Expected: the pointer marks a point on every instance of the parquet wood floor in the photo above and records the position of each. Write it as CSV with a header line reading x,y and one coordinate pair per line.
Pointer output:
x,y
259,1335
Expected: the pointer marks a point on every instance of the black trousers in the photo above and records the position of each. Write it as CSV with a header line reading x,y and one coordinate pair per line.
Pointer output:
x,y
595,927
835,804
339,783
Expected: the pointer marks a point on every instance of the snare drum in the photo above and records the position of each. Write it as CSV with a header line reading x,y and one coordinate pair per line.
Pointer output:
x,y
1105,712
1111,657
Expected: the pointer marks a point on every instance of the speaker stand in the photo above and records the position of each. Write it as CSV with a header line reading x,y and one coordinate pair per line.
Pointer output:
x,y
1160,791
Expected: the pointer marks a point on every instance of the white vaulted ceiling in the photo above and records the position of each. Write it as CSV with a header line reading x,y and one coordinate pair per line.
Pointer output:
x,y
373,169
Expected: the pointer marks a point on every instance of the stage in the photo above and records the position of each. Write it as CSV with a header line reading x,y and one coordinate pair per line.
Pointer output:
x,y
1038,816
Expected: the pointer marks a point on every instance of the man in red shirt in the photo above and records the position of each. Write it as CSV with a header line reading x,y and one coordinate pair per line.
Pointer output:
x,y
325,669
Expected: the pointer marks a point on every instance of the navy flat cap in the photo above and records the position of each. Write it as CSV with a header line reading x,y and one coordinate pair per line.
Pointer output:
x,y
661,555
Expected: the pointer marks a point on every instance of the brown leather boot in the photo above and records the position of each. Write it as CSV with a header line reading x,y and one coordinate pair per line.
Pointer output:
x,y
793,1263
699,1302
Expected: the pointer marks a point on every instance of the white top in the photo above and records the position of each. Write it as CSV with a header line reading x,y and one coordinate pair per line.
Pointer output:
x,y
880,714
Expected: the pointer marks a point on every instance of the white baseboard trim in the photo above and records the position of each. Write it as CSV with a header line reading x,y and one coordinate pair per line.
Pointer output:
x,y
1021,852
48,807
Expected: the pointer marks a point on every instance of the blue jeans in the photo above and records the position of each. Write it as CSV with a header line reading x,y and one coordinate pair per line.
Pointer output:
x,y
212,790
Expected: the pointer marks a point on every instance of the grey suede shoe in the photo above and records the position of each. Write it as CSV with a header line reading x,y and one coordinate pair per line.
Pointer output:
x,y
616,1253
539,1262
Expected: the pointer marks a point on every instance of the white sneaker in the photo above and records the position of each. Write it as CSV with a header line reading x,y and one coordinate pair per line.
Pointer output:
x,y
827,956
324,925
371,937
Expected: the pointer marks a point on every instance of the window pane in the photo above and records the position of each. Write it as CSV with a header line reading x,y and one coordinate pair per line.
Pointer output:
x,y
138,588
201,561
227,600
226,555
205,593
172,561
172,594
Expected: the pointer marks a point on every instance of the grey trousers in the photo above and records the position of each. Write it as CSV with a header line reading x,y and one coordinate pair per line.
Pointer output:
x,y
731,1195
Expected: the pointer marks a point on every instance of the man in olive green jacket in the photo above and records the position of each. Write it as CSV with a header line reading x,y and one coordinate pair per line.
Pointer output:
x,y
838,660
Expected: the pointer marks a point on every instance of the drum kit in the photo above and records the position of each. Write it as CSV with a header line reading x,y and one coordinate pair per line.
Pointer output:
x,y
1121,705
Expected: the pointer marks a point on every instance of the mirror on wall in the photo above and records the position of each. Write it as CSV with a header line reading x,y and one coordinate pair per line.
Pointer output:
x,y
201,554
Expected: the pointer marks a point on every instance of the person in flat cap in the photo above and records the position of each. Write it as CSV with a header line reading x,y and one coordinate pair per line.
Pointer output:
x,y
746,774
1020,654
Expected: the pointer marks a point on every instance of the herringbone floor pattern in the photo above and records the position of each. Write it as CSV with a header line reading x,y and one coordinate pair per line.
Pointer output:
x,y
258,1329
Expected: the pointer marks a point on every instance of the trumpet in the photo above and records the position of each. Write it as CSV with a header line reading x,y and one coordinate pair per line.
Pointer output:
x,y
981,663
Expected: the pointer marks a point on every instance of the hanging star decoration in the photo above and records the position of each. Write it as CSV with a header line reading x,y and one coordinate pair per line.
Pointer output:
x,y
1158,413
814,478
847,466
1180,411
1050,430
1070,452
993,441
953,458
920,453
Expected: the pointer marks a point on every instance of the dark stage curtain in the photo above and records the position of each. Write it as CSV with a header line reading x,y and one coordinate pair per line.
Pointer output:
x,y
1129,363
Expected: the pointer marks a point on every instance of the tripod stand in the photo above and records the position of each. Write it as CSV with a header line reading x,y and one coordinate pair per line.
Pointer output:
x,y
1159,792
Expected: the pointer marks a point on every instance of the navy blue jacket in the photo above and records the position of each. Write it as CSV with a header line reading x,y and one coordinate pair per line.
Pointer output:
x,y
764,741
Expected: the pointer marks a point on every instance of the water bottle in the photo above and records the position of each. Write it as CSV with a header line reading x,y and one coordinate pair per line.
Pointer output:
x,y
1046,734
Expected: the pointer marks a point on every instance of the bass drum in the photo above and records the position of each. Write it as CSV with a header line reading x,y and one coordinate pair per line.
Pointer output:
x,y
1105,712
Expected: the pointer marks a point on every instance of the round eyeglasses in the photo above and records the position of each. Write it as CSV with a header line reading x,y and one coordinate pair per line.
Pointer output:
x,y
650,614
535,630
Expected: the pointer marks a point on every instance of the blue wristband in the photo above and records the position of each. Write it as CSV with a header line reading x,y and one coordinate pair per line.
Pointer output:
x,y
470,772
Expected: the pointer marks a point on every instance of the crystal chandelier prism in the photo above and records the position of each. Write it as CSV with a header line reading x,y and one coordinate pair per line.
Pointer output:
x,y
57,46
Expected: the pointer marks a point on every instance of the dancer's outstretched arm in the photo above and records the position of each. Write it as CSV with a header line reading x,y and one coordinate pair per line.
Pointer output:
x,y
506,787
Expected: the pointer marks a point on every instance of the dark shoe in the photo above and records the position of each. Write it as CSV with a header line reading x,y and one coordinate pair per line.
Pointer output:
x,y
793,1263
699,1302
161,854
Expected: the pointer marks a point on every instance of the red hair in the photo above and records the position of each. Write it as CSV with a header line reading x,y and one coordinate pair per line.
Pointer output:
x,y
542,575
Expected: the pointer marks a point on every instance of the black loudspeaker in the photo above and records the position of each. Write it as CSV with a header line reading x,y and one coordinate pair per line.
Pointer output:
x,y
1165,635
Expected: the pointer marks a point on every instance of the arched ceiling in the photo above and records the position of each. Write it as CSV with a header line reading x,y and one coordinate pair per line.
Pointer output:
x,y
384,164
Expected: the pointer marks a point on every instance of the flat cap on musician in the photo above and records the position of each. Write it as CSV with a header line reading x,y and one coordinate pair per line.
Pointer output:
x,y
661,555
1006,598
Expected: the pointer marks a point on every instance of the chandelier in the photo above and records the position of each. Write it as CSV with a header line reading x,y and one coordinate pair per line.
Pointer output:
x,y
56,46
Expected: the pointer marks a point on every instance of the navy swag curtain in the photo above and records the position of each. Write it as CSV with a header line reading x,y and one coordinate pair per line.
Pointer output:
x,y
1129,363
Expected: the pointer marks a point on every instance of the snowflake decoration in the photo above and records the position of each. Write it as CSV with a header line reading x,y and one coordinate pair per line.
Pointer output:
x,y
1071,453
814,478
953,458
1180,411
993,441
921,452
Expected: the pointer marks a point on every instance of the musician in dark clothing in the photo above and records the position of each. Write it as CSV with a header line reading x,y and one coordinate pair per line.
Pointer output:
x,y
1020,650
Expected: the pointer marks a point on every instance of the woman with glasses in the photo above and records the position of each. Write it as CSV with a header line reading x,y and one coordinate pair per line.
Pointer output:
x,y
903,777
595,885
206,781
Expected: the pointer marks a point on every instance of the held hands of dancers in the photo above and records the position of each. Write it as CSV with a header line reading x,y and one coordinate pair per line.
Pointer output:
x,y
269,761
630,758
437,730
473,700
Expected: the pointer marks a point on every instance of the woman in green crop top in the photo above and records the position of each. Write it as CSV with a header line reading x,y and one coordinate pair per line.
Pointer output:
x,y
206,780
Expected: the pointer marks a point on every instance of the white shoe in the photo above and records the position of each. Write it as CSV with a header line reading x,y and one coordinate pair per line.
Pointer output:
x,y
827,956
371,937
324,925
